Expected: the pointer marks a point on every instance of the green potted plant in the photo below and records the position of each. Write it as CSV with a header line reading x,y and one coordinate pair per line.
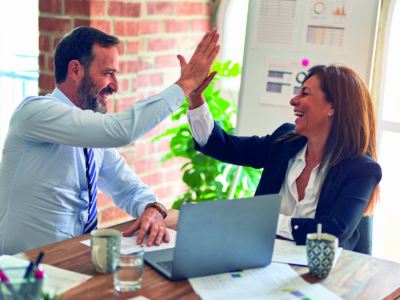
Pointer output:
x,y
206,178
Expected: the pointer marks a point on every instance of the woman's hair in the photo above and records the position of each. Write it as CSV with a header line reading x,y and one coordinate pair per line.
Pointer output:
x,y
353,131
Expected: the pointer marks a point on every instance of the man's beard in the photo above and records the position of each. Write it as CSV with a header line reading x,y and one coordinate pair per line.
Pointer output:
x,y
88,95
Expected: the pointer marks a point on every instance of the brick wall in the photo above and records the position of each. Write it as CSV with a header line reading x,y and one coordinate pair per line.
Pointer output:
x,y
152,33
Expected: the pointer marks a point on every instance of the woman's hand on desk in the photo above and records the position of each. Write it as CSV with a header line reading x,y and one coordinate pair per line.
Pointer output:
x,y
153,221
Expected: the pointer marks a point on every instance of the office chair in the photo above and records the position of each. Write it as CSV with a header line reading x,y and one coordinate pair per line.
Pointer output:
x,y
364,244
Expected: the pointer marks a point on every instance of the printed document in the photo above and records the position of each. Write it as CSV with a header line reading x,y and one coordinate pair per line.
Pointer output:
x,y
131,246
276,281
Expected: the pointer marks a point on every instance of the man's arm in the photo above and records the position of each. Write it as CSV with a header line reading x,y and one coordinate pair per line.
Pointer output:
x,y
117,180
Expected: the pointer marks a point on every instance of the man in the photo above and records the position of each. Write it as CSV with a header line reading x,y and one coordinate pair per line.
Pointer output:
x,y
61,146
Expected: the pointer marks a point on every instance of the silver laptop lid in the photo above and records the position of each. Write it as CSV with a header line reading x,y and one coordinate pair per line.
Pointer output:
x,y
225,235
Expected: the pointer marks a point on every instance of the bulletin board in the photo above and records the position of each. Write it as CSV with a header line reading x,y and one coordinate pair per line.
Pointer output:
x,y
284,38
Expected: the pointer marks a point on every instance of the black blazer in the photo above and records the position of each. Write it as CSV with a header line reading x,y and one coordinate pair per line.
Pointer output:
x,y
344,194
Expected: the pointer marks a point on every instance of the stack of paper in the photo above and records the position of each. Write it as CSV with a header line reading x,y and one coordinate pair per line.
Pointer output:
x,y
274,282
287,252
131,246
57,281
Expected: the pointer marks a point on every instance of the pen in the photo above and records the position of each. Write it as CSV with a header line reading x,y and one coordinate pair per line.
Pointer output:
x,y
39,259
9,285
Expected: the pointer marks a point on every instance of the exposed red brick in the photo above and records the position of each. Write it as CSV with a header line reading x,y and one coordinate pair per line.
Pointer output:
x,y
189,8
103,200
126,28
56,25
123,103
208,11
123,85
152,179
101,25
145,63
50,6
140,149
201,25
162,44
142,80
44,43
111,213
153,93
166,61
121,48
164,144
174,175
110,106
55,43
160,8
134,85
174,26
50,63
142,96
128,66
42,62
188,43
85,8
152,147
46,82
132,47
176,161
128,156
166,192
145,165
124,9
156,78
149,27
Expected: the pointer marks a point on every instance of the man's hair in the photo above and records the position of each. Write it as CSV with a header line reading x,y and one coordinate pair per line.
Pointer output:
x,y
78,45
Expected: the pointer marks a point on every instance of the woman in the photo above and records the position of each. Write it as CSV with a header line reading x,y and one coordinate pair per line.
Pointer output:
x,y
324,166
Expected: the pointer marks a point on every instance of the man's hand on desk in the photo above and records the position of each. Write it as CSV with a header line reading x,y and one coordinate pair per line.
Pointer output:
x,y
153,221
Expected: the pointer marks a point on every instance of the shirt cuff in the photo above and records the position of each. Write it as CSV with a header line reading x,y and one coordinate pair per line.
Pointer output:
x,y
174,96
284,227
198,113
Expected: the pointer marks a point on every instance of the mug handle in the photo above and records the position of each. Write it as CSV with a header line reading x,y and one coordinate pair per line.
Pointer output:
x,y
95,257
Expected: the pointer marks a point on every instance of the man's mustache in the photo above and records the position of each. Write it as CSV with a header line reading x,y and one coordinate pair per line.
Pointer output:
x,y
107,90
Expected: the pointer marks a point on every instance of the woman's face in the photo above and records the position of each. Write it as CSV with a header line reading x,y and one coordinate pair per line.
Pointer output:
x,y
312,110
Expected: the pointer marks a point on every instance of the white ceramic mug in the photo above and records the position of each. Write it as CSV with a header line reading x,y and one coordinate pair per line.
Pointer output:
x,y
102,242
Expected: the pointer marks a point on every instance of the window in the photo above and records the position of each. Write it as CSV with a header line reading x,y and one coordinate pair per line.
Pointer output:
x,y
18,57
386,238
232,19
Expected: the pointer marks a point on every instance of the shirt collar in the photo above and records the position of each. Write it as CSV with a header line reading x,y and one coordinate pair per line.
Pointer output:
x,y
301,155
60,96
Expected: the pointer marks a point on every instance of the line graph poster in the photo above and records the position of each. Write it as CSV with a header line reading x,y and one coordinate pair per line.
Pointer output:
x,y
326,26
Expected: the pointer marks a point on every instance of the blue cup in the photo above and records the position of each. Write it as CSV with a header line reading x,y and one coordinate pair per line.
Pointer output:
x,y
321,253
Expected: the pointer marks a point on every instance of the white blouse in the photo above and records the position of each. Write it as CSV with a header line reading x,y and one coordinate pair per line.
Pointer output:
x,y
202,124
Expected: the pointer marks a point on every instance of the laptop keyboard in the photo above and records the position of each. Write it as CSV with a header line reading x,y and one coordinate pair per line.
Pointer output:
x,y
167,265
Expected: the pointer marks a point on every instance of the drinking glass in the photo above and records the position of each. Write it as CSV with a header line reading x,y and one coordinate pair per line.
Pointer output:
x,y
128,268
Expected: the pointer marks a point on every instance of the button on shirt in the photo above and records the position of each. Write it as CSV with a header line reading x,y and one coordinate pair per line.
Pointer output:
x,y
44,196
202,124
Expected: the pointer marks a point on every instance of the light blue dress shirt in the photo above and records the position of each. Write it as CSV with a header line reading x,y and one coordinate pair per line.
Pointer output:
x,y
43,187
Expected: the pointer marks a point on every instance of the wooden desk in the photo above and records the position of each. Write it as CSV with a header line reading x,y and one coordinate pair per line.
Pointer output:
x,y
355,276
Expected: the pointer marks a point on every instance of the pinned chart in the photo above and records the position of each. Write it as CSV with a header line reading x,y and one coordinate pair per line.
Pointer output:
x,y
326,26
275,24
283,79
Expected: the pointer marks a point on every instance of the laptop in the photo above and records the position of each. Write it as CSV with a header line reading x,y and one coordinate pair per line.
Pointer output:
x,y
220,236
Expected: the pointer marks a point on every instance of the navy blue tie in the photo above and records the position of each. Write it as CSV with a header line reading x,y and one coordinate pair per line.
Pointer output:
x,y
92,187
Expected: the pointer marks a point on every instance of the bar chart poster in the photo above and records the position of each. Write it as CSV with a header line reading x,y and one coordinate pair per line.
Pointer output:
x,y
326,26
283,79
274,24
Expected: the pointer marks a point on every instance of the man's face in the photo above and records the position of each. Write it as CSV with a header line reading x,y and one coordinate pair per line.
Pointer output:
x,y
100,80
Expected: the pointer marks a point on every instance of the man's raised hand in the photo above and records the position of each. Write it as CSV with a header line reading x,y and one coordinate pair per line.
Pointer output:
x,y
196,71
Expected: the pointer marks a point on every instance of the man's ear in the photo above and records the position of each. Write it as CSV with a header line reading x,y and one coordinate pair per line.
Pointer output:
x,y
75,70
